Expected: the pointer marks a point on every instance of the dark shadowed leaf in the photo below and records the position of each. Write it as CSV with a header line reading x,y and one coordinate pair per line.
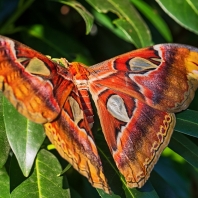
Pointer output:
x,y
185,148
187,122
88,18
170,171
162,187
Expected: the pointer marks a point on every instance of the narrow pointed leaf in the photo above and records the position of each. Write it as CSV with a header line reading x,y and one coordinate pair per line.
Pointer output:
x,y
106,21
182,12
193,4
154,18
4,184
147,191
170,171
24,136
4,144
161,186
187,122
185,148
129,20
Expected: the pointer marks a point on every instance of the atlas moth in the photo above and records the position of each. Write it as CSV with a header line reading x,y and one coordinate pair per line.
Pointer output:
x,y
136,95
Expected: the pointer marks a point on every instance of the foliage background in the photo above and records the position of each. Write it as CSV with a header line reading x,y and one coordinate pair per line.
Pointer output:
x,y
113,27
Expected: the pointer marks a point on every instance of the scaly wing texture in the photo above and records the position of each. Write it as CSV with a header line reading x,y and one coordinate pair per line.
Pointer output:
x,y
163,76
136,95
72,136
30,81
44,92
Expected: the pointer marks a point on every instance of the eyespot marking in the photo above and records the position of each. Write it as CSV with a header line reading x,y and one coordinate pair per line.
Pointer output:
x,y
116,107
36,66
76,110
138,64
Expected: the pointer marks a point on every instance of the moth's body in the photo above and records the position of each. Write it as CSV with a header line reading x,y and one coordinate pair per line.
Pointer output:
x,y
136,95
79,76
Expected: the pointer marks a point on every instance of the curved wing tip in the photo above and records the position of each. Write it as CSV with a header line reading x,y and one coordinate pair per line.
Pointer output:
x,y
177,45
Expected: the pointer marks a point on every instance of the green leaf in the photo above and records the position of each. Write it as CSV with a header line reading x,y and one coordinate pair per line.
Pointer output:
x,y
154,18
106,21
104,195
175,175
147,191
182,12
187,122
4,184
193,4
185,148
129,20
4,144
44,181
24,136
161,186
88,18
15,173
55,44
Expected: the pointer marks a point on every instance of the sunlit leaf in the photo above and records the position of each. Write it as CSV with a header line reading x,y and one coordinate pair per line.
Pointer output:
x,y
182,12
4,184
129,21
44,181
193,4
24,136
107,22
4,144
154,18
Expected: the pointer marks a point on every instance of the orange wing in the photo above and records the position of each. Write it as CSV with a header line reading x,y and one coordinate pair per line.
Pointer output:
x,y
72,136
136,95
47,93
30,81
